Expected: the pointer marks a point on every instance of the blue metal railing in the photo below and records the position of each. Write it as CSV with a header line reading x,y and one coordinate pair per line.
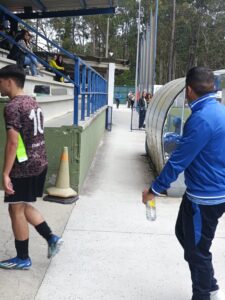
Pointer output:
x,y
90,88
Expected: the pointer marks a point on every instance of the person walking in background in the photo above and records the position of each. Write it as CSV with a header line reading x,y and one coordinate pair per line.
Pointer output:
x,y
200,154
117,98
25,167
142,106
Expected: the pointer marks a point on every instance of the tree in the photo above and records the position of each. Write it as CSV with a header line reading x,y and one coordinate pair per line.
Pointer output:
x,y
190,32
171,53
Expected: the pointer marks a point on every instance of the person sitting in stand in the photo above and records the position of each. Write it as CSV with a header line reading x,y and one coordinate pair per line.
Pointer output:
x,y
21,56
60,63
29,60
4,43
55,63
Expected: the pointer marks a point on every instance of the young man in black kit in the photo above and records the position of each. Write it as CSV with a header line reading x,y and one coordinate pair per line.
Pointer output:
x,y
25,167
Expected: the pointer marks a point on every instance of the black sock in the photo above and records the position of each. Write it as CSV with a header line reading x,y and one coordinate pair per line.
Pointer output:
x,y
22,249
44,230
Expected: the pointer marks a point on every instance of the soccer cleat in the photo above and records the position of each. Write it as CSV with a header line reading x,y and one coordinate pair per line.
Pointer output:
x,y
54,245
217,295
16,263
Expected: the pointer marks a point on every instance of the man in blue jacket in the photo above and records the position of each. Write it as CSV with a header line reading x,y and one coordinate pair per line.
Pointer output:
x,y
201,155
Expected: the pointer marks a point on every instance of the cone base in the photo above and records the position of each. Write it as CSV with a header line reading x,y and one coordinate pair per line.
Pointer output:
x,y
62,193
60,200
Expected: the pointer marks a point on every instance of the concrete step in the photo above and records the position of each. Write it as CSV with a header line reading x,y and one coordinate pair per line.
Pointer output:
x,y
4,61
42,85
3,53
55,106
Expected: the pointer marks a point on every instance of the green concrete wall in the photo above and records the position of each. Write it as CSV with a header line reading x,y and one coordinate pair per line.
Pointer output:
x,y
56,140
90,139
82,144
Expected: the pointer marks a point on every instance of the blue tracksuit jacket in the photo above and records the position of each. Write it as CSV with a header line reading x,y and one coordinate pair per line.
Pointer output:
x,y
200,154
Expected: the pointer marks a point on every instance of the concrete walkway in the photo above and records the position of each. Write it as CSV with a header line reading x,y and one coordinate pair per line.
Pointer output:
x,y
110,250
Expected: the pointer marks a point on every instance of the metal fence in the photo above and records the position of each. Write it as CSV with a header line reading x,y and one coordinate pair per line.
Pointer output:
x,y
123,91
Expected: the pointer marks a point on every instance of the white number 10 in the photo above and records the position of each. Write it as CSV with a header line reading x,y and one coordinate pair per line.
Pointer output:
x,y
36,116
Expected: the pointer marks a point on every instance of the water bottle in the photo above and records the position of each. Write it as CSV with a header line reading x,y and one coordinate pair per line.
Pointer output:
x,y
151,210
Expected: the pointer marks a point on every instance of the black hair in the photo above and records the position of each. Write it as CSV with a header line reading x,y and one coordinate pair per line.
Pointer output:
x,y
201,80
14,72
59,63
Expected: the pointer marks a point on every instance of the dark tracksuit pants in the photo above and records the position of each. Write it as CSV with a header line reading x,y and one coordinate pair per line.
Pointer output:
x,y
141,117
195,230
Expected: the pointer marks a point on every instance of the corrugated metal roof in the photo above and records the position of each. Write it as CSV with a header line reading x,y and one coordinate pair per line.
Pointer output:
x,y
57,5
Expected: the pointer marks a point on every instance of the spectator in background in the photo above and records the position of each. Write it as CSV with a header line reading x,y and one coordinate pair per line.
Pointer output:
x,y
57,63
117,98
22,57
29,60
4,43
130,100
148,98
53,64
142,106
16,53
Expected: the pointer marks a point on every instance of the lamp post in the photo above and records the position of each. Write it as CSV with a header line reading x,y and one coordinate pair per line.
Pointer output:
x,y
138,46
155,44
107,40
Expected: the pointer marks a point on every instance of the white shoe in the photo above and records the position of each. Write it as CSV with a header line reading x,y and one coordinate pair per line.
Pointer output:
x,y
217,295
40,67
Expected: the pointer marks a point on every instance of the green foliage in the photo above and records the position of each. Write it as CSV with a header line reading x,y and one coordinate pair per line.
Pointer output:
x,y
199,35
126,78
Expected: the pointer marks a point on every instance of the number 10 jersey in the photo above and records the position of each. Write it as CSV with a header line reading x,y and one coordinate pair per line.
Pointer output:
x,y
24,115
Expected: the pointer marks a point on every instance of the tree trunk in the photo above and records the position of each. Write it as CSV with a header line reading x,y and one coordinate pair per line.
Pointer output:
x,y
161,70
171,54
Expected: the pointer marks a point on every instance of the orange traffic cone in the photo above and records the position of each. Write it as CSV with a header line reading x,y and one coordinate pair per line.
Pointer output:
x,y
62,192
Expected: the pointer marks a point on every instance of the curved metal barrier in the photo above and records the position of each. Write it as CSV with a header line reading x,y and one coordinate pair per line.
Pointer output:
x,y
156,117
165,118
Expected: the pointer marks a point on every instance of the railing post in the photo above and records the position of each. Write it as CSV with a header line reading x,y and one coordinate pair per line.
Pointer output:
x,y
102,92
76,91
93,93
89,95
83,92
96,93
106,93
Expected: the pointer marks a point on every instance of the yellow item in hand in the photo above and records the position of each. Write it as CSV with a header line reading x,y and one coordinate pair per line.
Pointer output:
x,y
21,153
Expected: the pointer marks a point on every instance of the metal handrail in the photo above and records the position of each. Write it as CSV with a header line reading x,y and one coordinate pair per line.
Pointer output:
x,y
92,87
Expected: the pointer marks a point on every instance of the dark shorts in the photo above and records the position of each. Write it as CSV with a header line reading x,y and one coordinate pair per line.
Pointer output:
x,y
27,189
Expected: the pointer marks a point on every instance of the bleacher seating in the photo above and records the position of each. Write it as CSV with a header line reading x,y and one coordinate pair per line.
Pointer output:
x,y
56,98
